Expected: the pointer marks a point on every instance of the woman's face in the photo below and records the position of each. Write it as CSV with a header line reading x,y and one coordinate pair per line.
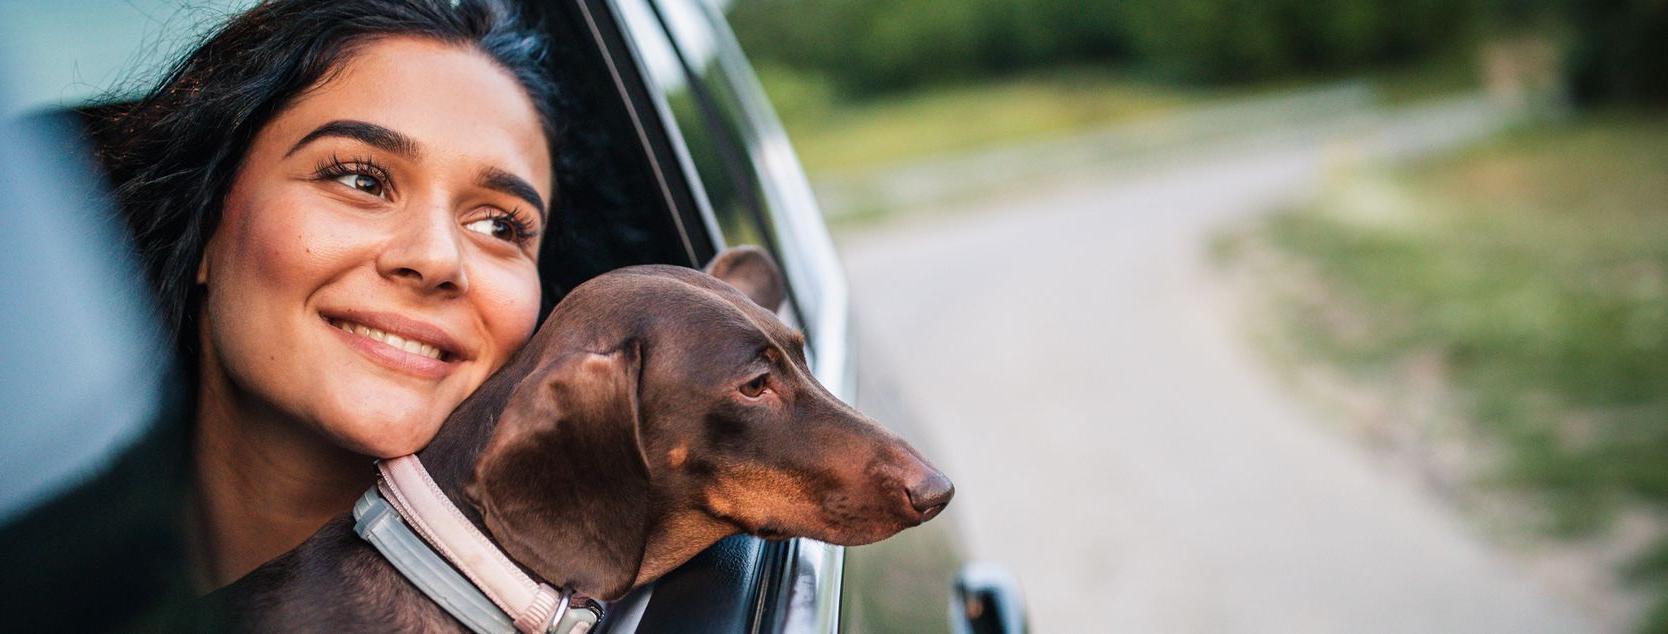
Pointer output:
x,y
377,255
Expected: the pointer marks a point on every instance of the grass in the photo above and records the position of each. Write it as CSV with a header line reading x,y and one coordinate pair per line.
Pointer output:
x,y
833,135
1536,268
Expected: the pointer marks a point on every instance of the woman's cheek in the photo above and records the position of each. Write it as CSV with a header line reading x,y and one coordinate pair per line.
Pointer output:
x,y
512,309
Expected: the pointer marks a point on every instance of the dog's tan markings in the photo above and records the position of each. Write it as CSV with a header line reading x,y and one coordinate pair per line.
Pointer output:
x,y
677,455
762,498
677,537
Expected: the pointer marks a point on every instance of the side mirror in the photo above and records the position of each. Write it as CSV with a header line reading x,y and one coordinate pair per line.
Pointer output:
x,y
985,599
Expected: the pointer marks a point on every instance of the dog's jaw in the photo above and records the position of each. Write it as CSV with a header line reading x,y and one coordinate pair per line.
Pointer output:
x,y
678,537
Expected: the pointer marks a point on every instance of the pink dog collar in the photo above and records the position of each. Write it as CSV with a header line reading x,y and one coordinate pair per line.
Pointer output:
x,y
531,605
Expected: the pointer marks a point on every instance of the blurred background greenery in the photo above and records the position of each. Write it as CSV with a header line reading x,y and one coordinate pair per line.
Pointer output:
x,y
1530,269
862,67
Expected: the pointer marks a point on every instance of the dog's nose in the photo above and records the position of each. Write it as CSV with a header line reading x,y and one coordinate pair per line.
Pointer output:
x,y
930,494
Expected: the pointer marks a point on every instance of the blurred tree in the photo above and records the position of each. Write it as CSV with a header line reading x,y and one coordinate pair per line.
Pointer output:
x,y
1238,40
869,46
1620,52
1618,49
913,42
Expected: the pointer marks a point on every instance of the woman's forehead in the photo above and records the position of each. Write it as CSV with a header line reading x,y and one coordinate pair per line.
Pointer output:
x,y
454,103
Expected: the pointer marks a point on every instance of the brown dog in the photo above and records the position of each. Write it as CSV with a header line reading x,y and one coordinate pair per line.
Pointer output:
x,y
657,411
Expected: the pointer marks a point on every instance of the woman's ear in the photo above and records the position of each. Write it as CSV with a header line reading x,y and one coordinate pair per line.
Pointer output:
x,y
563,484
751,271
202,265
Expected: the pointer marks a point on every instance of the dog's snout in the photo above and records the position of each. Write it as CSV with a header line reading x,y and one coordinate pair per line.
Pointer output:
x,y
930,494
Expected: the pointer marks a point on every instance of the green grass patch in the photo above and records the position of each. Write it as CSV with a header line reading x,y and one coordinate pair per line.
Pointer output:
x,y
833,135
1537,267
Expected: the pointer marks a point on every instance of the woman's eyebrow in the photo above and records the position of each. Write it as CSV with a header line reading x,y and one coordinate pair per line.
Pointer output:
x,y
368,133
500,180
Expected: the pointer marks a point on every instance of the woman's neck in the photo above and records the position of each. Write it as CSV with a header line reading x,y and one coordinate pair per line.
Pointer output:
x,y
264,483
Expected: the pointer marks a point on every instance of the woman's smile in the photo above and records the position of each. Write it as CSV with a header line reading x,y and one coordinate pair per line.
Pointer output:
x,y
397,342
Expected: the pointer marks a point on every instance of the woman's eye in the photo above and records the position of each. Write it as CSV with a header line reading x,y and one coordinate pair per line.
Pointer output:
x,y
500,228
362,182
755,387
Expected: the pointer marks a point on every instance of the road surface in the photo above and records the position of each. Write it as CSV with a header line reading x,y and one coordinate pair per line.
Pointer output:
x,y
1117,444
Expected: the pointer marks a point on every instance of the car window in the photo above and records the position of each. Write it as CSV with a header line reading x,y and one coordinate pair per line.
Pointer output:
x,y
728,187
621,206
733,113
726,173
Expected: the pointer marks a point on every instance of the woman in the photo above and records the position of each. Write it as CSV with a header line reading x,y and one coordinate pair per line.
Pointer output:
x,y
341,207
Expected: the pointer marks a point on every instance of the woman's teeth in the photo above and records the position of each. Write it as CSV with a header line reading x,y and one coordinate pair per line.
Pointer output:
x,y
414,347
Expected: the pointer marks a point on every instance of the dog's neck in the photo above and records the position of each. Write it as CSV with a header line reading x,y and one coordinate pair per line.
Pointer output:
x,y
675,535
450,458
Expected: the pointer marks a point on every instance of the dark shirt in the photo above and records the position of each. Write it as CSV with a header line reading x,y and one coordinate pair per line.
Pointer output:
x,y
110,553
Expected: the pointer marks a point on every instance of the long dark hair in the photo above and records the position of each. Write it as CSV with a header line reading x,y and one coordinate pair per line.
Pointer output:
x,y
172,155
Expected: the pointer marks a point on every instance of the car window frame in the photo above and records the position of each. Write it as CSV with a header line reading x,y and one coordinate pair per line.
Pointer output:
x,y
802,578
756,569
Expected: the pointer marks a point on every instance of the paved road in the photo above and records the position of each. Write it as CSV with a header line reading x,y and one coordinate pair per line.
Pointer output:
x,y
1116,443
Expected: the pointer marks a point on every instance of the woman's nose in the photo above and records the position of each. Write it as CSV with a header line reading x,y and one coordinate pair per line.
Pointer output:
x,y
425,252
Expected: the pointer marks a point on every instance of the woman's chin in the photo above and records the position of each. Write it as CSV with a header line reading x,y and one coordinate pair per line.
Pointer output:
x,y
384,432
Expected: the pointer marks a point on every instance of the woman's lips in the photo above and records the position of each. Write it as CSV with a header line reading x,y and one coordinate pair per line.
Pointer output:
x,y
391,342
409,345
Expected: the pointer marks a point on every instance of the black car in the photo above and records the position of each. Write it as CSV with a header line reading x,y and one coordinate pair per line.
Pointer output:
x,y
673,154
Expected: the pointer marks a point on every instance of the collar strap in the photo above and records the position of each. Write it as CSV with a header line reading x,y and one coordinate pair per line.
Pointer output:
x,y
405,487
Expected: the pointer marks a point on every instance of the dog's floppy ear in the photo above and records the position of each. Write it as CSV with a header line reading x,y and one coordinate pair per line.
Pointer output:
x,y
563,483
751,271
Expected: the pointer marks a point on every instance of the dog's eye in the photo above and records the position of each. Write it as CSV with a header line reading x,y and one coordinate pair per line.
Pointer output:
x,y
755,387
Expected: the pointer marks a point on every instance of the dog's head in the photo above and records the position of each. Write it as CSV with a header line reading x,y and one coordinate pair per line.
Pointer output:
x,y
671,408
